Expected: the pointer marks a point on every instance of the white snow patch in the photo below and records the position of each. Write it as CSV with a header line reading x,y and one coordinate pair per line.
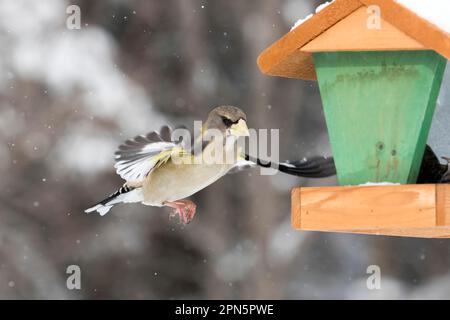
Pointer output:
x,y
435,11
323,6
379,184
301,21
319,8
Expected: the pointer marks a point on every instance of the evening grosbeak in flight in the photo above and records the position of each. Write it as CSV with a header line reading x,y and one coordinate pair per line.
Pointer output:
x,y
162,172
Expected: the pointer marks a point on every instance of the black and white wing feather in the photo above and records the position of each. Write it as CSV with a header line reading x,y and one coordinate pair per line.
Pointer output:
x,y
137,157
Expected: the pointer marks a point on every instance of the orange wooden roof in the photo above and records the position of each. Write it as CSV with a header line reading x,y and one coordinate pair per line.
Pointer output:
x,y
291,55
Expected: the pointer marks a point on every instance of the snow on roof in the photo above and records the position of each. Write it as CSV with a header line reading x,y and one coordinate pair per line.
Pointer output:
x,y
434,11
319,8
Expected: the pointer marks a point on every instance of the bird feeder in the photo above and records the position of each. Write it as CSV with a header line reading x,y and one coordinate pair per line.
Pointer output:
x,y
379,67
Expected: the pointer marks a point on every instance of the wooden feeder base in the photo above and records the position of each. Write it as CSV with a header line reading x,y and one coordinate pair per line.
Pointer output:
x,y
391,210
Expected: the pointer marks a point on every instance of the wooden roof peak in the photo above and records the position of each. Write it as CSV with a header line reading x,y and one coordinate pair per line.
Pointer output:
x,y
341,26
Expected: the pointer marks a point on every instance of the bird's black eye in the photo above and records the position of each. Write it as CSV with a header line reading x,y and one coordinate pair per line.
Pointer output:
x,y
227,122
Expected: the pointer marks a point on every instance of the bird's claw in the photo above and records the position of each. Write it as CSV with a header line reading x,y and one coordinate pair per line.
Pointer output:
x,y
185,209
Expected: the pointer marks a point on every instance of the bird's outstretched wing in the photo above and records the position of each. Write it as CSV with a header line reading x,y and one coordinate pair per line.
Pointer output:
x,y
315,167
137,157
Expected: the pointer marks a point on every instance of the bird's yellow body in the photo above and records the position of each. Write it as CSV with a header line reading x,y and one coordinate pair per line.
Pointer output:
x,y
180,178
171,181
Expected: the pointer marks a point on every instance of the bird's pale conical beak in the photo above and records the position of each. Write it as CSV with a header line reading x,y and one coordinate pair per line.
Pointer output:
x,y
446,158
240,129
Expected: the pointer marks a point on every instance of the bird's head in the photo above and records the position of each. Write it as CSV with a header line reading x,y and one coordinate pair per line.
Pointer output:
x,y
231,121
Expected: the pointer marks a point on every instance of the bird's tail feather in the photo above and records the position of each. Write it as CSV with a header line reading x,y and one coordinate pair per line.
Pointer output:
x,y
315,167
124,195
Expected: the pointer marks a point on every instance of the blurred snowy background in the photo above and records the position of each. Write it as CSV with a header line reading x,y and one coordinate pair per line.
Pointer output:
x,y
68,97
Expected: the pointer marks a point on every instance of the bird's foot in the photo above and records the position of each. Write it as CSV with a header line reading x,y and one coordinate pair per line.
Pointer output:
x,y
185,209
